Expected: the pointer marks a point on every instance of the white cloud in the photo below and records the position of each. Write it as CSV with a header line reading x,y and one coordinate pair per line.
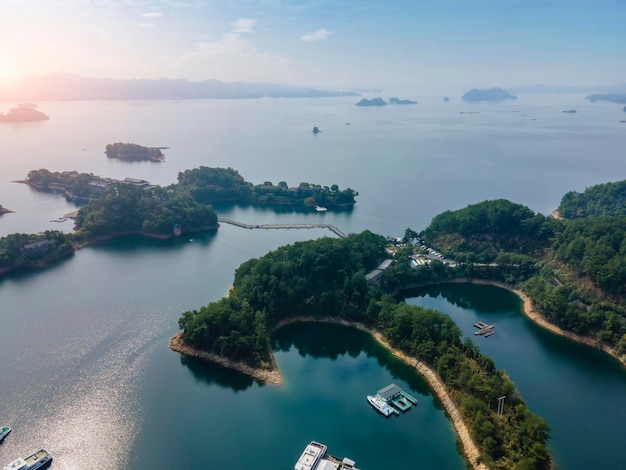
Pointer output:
x,y
232,58
152,14
318,35
243,25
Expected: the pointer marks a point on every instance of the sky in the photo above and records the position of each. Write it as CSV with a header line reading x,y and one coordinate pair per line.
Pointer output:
x,y
340,44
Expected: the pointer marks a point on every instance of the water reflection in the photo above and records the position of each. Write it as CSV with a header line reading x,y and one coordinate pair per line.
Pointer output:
x,y
226,208
467,296
213,374
323,340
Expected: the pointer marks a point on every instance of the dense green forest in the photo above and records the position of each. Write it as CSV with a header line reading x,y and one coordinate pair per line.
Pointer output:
x,y
205,185
599,200
326,277
225,184
127,208
133,152
573,270
124,208
20,249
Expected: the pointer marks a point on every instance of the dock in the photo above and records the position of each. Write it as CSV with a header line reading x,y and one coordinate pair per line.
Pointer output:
x,y
409,397
484,329
399,400
330,227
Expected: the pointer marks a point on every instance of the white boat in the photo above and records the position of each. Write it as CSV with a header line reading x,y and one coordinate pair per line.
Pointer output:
x,y
380,405
40,459
320,209
4,432
316,457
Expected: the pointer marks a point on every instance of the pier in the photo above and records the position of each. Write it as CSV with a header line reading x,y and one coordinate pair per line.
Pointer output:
x,y
330,227
484,329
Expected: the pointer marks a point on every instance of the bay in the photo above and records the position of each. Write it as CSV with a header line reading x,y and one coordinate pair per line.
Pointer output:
x,y
86,369
578,390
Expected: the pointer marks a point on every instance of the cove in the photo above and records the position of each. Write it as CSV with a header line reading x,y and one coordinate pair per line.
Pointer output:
x,y
328,370
578,390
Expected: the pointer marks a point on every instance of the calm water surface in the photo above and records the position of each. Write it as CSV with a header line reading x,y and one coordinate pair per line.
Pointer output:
x,y
85,367
580,392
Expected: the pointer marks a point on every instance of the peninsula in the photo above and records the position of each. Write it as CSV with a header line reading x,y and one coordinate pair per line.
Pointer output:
x,y
4,210
326,279
24,112
134,152
491,94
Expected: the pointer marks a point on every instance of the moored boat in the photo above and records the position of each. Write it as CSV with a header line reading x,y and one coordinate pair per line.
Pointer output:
x,y
4,432
320,209
40,459
380,405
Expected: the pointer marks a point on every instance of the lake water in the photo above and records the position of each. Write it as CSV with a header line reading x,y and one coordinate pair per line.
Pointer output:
x,y
86,371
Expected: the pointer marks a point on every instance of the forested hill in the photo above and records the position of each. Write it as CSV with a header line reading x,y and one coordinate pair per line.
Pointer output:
x,y
598,200
210,185
326,277
574,270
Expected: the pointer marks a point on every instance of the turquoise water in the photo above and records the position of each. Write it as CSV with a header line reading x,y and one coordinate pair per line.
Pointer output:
x,y
86,372
576,389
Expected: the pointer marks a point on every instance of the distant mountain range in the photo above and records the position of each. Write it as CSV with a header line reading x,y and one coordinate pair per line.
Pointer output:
x,y
543,88
72,87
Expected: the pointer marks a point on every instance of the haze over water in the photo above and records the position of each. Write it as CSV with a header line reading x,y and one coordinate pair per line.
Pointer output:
x,y
85,341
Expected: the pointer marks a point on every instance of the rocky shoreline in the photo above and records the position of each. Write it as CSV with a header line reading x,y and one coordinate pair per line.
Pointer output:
x,y
270,376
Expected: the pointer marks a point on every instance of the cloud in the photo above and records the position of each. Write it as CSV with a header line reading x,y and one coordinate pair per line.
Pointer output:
x,y
152,14
232,58
243,25
318,35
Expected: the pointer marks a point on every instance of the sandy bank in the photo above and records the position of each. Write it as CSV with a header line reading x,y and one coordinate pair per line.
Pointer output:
x,y
470,449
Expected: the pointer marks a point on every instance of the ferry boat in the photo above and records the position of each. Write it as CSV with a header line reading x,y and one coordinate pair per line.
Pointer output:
x,y
316,457
320,209
4,432
380,405
40,459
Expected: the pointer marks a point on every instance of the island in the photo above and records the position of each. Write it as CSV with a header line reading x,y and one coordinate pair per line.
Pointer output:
x,y
491,94
570,111
625,109
372,102
134,152
619,98
382,102
4,210
316,130
446,99
24,112
399,101
205,185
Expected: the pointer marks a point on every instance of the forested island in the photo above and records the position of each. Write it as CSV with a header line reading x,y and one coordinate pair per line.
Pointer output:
x,y
205,185
619,98
123,209
211,185
24,112
327,278
492,94
134,152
